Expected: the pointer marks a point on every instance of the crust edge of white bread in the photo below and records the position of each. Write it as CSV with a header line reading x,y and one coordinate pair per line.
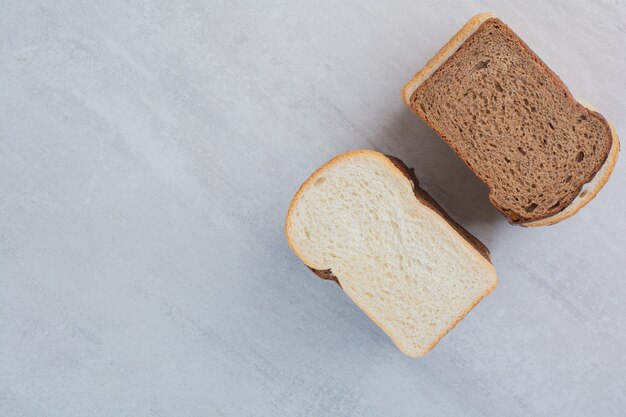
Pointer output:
x,y
588,191
312,265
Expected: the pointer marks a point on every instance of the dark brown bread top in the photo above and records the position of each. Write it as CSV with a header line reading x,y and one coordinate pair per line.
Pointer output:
x,y
514,123
428,201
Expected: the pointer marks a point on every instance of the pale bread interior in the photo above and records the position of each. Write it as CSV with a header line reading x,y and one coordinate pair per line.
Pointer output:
x,y
396,258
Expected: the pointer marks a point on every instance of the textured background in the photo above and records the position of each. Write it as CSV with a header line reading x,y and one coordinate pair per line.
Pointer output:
x,y
149,151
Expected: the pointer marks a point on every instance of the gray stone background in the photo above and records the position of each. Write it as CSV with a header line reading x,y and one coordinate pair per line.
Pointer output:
x,y
149,151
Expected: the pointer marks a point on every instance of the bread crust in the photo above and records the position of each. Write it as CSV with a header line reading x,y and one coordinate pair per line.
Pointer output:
x,y
407,173
587,190
325,274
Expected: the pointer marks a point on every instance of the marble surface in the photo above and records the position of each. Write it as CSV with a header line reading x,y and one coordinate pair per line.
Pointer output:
x,y
149,151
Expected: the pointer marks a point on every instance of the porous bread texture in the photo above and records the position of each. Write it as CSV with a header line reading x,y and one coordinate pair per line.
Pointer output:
x,y
590,189
400,261
515,124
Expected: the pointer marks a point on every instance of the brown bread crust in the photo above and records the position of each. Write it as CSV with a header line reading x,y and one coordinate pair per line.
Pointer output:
x,y
326,274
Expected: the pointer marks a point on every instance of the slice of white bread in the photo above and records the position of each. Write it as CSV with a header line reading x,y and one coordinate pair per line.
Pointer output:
x,y
362,220
543,154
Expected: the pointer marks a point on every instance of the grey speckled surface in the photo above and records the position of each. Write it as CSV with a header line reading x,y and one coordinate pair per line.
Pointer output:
x,y
148,152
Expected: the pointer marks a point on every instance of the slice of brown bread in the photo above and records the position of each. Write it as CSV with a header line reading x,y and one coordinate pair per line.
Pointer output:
x,y
542,154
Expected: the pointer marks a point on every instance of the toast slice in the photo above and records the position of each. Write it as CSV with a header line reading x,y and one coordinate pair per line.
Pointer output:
x,y
542,153
362,220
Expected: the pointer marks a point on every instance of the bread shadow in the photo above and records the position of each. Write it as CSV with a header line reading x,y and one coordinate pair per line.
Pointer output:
x,y
442,174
